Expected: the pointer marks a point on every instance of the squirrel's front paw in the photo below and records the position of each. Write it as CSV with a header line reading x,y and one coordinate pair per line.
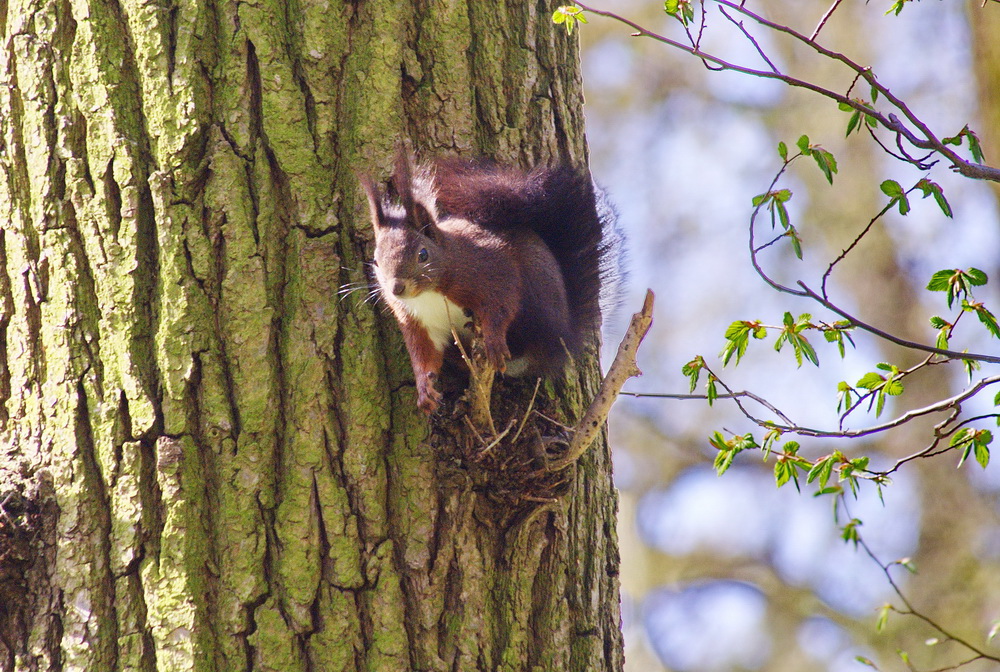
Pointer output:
x,y
497,353
428,398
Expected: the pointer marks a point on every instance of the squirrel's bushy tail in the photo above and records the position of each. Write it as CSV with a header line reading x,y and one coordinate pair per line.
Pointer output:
x,y
559,204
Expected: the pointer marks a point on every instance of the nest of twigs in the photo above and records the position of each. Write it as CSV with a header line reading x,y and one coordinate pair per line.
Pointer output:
x,y
510,462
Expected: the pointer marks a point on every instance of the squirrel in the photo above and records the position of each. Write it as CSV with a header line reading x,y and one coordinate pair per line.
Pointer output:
x,y
520,253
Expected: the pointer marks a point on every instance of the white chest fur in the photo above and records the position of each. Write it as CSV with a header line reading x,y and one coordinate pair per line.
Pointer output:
x,y
438,315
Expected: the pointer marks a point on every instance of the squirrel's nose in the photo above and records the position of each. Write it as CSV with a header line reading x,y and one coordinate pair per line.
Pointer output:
x,y
399,288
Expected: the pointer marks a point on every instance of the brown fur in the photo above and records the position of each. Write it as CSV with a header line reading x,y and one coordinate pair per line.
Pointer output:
x,y
518,251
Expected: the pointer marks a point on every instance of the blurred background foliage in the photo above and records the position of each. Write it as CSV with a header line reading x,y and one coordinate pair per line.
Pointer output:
x,y
731,573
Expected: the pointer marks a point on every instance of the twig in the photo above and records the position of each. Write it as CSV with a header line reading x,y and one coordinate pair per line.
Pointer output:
x,y
822,22
622,368
703,397
480,383
791,427
496,440
854,244
527,413
911,611
746,33
951,354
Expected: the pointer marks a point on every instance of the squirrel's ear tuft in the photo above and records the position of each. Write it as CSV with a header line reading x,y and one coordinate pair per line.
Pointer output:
x,y
419,214
374,200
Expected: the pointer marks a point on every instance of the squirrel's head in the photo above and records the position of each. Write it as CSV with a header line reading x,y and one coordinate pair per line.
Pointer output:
x,y
408,254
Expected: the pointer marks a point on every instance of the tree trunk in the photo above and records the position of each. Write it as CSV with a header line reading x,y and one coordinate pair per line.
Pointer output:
x,y
210,462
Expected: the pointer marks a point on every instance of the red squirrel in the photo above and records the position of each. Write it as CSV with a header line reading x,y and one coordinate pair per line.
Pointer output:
x,y
517,252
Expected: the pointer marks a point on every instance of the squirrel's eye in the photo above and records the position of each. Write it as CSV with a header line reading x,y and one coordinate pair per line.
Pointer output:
x,y
422,255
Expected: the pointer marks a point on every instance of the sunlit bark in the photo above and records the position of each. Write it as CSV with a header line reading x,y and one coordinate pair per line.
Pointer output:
x,y
216,464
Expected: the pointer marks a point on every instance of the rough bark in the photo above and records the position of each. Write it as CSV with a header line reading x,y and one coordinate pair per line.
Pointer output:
x,y
210,462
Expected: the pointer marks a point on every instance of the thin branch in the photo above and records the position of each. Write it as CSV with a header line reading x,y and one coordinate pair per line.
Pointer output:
x,y
791,427
854,244
739,24
912,345
871,395
753,244
911,611
704,397
822,22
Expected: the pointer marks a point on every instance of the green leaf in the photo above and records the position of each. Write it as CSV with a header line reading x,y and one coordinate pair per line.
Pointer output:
x,y
568,15
783,151
693,370
976,277
894,387
934,189
844,397
682,10
870,381
891,188
942,342
738,335
862,659
970,366
718,441
770,438
955,139
988,319
896,7
712,391
939,323
803,145
883,617
793,235
904,204
821,471
826,163
853,122
723,460
983,453
975,147
965,437
850,531
783,472
895,192
807,350
941,280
